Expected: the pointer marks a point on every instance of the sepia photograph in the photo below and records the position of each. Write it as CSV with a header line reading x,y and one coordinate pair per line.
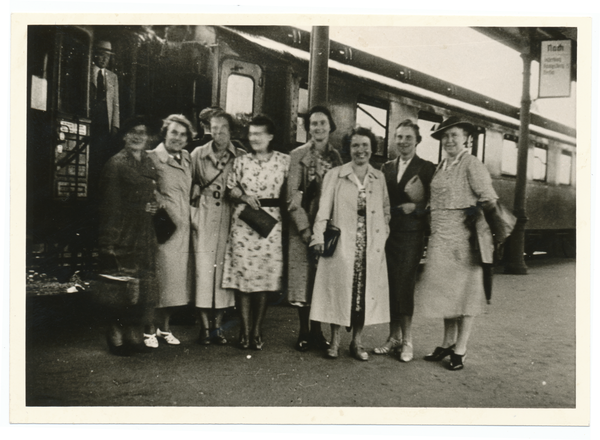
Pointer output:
x,y
373,221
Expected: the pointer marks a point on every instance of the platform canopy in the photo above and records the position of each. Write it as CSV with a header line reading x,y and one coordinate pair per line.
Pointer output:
x,y
525,39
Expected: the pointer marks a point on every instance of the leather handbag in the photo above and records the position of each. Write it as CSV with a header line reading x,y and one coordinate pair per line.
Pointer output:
x,y
259,220
163,226
331,238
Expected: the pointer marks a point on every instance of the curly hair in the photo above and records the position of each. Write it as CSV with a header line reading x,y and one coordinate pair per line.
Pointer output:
x,y
180,119
359,131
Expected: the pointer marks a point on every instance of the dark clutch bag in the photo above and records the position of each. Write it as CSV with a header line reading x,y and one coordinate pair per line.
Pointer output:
x,y
163,226
259,220
331,236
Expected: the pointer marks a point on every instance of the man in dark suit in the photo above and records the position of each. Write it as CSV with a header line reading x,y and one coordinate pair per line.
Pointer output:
x,y
408,178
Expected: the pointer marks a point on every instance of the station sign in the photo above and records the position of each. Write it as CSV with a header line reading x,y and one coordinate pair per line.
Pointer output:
x,y
555,69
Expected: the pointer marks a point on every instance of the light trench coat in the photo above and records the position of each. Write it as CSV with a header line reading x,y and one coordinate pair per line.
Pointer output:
x,y
332,296
210,227
173,193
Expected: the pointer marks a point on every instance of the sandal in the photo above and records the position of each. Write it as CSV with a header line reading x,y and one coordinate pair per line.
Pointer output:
x,y
168,337
257,343
244,343
302,344
406,355
439,353
358,352
390,345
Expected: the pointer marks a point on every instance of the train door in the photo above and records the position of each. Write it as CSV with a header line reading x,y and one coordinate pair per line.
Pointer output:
x,y
58,137
241,89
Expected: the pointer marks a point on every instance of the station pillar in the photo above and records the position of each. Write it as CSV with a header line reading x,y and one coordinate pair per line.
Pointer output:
x,y
515,263
318,79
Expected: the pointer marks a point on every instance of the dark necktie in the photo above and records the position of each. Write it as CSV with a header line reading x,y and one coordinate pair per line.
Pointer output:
x,y
100,89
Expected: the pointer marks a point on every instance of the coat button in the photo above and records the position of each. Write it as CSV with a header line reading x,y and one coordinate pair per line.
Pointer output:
x,y
218,203
377,231
218,186
372,212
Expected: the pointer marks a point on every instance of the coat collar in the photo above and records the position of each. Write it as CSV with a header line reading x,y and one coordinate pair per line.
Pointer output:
x,y
163,155
208,151
346,170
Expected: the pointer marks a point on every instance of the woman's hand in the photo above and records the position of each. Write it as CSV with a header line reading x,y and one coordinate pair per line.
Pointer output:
x,y
251,201
295,202
407,208
152,207
306,235
318,249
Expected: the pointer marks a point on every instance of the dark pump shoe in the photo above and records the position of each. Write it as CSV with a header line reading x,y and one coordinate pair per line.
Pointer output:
x,y
439,353
456,361
303,342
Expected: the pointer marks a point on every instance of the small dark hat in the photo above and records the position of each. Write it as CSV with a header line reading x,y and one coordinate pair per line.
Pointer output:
x,y
452,121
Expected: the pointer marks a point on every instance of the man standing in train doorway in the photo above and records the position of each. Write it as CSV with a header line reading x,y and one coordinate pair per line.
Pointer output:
x,y
104,109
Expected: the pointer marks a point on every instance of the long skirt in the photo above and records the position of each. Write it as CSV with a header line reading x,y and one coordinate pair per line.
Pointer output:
x,y
452,283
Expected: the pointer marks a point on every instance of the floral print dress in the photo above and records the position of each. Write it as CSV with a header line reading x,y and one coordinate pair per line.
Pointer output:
x,y
360,255
254,263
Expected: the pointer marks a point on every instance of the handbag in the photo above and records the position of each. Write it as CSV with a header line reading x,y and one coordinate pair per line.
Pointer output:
x,y
259,220
331,238
163,226
415,190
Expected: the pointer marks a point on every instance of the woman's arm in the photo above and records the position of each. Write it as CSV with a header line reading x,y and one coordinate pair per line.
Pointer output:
x,y
480,182
326,205
294,195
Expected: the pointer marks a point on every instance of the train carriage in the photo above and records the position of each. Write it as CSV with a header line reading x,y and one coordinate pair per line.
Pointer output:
x,y
246,71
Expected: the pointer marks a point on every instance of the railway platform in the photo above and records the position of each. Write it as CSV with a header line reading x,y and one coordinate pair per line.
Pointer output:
x,y
522,355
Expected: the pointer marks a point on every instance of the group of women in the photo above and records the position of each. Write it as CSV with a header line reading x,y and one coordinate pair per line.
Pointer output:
x,y
216,256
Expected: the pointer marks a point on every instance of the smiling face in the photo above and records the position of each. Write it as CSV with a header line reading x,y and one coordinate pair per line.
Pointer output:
x,y
454,139
360,149
219,129
406,142
176,137
259,138
319,127
136,138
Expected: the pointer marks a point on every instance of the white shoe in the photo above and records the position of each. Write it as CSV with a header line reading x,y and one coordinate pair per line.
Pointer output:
x,y
150,341
168,337
407,352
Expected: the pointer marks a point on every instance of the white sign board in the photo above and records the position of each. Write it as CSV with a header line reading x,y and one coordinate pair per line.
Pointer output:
x,y
555,69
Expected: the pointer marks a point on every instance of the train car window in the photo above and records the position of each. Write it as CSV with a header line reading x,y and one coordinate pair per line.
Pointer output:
x,y
301,135
478,144
429,148
540,159
73,73
240,96
375,118
565,162
509,155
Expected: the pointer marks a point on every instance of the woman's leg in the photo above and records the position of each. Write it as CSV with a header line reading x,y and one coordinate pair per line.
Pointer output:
x,y
259,309
334,347
356,347
218,332
303,316
243,304
450,332
204,337
464,331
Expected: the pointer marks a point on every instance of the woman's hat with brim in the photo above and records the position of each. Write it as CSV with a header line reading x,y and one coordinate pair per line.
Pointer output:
x,y
452,121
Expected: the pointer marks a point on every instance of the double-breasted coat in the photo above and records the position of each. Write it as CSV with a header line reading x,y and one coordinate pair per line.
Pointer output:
x,y
211,221
305,181
332,295
174,184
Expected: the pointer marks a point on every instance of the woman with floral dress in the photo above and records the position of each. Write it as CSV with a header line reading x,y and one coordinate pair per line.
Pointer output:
x,y
253,263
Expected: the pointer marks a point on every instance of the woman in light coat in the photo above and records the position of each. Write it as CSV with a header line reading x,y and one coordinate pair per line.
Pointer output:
x,y
211,218
173,165
351,287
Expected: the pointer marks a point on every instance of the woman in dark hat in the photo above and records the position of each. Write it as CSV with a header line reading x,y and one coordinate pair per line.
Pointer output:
x,y
452,283
127,239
